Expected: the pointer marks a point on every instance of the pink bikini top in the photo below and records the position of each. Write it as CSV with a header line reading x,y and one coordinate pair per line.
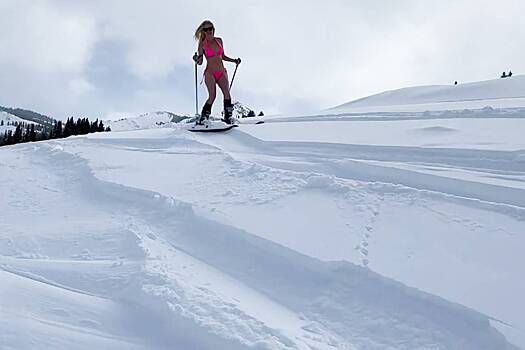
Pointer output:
x,y
209,52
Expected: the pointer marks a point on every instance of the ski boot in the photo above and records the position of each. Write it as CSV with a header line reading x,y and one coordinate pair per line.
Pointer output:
x,y
228,111
205,114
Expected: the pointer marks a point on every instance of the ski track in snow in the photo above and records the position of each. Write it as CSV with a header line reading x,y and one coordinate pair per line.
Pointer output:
x,y
198,273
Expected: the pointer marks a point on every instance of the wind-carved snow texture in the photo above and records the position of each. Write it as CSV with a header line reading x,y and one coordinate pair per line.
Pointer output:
x,y
181,279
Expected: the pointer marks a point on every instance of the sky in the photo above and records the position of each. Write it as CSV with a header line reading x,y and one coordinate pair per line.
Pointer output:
x,y
114,58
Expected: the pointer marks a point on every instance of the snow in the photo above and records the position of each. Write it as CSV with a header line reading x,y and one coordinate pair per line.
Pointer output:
x,y
380,231
156,120
7,117
496,93
144,121
464,133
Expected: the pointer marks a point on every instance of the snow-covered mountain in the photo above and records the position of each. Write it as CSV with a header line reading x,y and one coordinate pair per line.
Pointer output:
x,y
496,93
29,116
6,118
150,120
164,119
241,111
380,231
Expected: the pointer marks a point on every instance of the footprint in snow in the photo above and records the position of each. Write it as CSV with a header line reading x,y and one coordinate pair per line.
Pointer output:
x,y
89,323
59,312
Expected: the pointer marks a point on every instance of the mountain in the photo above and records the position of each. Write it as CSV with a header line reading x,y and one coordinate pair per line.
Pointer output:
x,y
496,93
6,118
163,119
28,115
149,120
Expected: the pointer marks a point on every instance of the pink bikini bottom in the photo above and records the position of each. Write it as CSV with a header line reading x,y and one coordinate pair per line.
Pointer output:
x,y
217,74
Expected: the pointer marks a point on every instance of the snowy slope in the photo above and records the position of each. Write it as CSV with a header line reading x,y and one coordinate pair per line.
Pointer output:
x,y
6,117
157,239
497,93
144,121
386,230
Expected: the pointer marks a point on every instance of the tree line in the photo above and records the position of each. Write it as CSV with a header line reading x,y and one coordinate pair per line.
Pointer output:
x,y
26,132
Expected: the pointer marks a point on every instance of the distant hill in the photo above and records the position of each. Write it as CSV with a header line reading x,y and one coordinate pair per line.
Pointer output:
x,y
28,115
162,119
145,121
496,93
7,120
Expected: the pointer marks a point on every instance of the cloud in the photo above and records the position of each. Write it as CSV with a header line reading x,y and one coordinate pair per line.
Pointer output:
x,y
97,57
44,53
44,38
80,86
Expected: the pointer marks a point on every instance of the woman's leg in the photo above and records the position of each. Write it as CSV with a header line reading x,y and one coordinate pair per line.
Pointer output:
x,y
206,109
225,88
224,85
210,84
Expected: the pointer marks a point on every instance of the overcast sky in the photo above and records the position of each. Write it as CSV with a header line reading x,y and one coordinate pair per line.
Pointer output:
x,y
106,58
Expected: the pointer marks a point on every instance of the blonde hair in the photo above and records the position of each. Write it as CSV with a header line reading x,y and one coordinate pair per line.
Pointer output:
x,y
199,32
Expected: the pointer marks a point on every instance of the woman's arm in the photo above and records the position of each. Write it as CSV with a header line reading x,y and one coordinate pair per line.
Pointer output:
x,y
226,58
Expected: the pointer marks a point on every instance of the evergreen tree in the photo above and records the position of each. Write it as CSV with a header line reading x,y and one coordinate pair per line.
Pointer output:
x,y
100,126
17,137
82,126
68,128
86,128
32,133
58,130
46,135
41,136
9,137
94,126
2,122
108,128
71,127
76,127
52,132
26,136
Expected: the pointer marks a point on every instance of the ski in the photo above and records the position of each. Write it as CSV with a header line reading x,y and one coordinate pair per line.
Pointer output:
x,y
212,126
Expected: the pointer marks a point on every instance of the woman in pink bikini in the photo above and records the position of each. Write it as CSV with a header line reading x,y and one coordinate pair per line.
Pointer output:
x,y
215,73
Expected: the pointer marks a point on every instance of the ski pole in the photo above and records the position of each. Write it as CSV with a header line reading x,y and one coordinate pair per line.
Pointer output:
x,y
196,91
233,78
